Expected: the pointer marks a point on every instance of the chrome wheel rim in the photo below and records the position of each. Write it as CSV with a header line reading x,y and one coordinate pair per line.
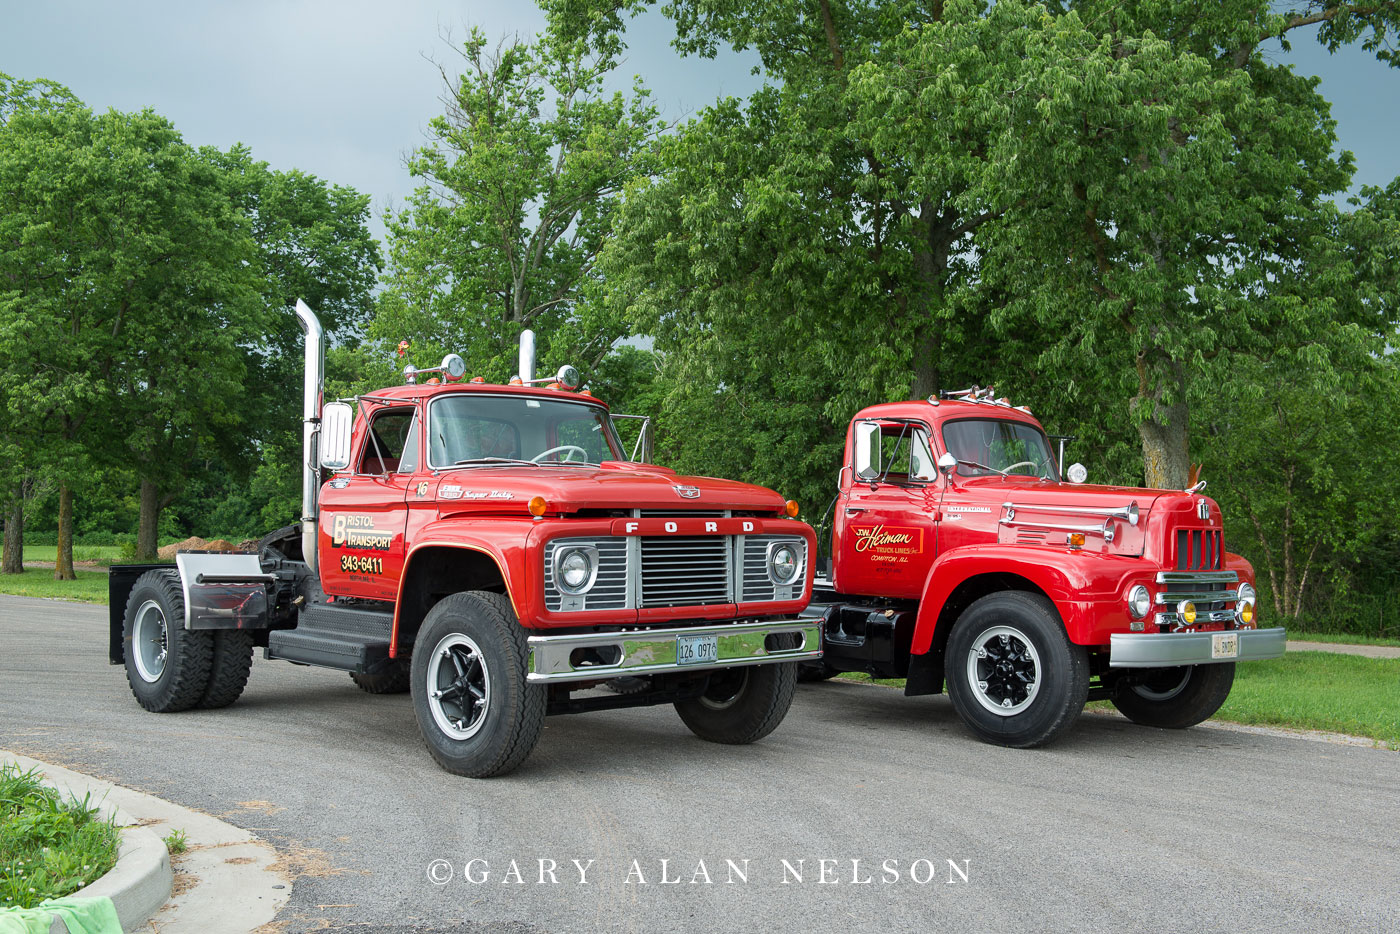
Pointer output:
x,y
458,687
1164,688
1003,670
150,641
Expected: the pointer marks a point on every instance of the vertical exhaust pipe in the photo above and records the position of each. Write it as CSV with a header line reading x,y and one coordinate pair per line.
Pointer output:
x,y
313,380
527,355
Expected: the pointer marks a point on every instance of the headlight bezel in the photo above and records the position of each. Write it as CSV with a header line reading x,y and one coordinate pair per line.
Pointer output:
x,y
1139,601
589,554
792,548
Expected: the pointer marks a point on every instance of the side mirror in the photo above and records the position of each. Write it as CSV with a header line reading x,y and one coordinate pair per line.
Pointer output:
x,y
867,441
337,418
1077,473
947,463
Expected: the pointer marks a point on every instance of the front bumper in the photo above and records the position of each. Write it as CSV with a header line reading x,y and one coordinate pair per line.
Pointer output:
x,y
1168,650
602,655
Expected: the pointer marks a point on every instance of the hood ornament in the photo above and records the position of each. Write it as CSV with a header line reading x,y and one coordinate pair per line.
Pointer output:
x,y
687,492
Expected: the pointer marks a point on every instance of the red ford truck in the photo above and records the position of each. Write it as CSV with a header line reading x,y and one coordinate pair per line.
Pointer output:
x,y
961,557
490,549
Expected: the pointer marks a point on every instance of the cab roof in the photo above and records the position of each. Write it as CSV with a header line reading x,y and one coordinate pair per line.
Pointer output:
x,y
416,392
925,410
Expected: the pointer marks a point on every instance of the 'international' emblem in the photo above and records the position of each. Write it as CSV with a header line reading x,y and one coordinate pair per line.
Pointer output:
x,y
1203,510
687,492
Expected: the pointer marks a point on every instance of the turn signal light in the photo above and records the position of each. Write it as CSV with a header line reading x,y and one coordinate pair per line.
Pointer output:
x,y
537,506
1246,614
1075,539
792,509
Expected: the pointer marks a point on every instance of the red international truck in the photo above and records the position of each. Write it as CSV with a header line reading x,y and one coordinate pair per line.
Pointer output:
x,y
490,549
961,557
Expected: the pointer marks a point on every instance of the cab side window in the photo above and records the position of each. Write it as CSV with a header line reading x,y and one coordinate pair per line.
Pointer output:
x,y
391,445
902,455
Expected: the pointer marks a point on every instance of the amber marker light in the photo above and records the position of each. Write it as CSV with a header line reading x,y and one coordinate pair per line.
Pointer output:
x,y
1076,539
792,509
516,381
478,379
537,506
1187,611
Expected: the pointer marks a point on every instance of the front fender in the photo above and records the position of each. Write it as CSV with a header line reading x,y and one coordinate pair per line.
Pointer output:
x,y
1084,586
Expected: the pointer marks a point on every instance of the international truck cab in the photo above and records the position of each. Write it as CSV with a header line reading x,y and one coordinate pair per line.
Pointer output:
x,y
962,557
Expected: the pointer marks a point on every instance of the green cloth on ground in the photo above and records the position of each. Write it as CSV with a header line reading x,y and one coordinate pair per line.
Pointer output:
x,y
82,915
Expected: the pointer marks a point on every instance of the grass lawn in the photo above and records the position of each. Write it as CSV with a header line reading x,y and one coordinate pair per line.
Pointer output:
x,y
90,587
1342,638
49,847
1306,691
100,554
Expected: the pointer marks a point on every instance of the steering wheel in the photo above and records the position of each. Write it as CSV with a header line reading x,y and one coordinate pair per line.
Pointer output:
x,y
1007,470
583,455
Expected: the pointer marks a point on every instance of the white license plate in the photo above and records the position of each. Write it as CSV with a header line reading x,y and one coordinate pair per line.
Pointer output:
x,y
1224,645
697,650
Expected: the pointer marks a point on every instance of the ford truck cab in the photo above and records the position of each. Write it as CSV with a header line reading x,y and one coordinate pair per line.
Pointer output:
x,y
962,557
491,550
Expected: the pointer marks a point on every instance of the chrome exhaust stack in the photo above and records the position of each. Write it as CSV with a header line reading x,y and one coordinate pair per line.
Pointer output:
x,y
313,383
527,356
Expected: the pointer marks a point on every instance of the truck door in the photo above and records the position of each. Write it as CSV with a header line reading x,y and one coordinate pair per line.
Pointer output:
x,y
883,538
364,513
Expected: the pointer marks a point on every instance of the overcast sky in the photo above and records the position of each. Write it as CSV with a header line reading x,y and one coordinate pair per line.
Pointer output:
x,y
342,89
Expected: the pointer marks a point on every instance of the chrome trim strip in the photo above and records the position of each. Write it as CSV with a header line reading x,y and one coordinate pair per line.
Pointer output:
x,y
1197,577
1169,650
1090,529
1211,616
651,651
1127,513
1198,596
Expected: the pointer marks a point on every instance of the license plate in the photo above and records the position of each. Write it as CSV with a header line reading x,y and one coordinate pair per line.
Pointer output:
x,y
697,650
1224,645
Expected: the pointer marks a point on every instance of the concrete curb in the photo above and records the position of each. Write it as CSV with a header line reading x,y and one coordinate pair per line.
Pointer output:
x,y
227,882
139,884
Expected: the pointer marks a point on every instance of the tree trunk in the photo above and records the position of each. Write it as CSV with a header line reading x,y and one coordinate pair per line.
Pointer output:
x,y
63,564
13,560
1166,456
146,531
925,381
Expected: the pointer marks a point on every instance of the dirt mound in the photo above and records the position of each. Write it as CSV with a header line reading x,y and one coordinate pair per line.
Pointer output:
x,y
220,544
249,546
193,543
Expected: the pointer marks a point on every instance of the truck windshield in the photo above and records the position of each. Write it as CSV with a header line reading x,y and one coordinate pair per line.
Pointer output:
x,y
472,429
986,446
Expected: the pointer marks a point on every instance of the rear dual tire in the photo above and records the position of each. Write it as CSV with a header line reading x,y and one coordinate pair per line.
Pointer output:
x,y
171,668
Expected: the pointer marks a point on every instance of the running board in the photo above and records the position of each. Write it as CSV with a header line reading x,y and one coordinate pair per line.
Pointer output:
x,y
334,637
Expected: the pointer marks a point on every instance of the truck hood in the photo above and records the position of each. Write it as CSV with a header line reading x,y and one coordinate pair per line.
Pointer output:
x,y
1037,512
610,486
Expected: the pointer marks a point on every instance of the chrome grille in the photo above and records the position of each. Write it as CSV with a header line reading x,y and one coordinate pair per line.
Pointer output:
x,y
685,570
754,582
610,591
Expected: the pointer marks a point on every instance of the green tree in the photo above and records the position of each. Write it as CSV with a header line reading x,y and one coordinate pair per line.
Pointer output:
x,y
521,176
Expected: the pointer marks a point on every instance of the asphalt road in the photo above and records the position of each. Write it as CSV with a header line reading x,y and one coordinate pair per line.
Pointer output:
x,y
1115,828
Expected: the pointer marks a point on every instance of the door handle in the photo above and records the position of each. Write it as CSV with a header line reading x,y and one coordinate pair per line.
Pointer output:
x,y
854,510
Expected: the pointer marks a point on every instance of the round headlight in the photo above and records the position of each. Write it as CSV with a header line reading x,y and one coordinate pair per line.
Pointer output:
x,y
1139,601
575,569
783,564
1247,593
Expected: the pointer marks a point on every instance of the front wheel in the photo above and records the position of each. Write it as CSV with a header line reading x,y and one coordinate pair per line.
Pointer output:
x,y
478,715
1013,675
1175,698
741,705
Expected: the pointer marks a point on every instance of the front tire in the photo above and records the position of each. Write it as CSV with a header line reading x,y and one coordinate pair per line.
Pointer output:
x,y
741,705
1175,698
167,665
1013,675
477,713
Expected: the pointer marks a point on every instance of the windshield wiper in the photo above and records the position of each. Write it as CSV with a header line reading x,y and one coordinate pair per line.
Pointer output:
x,y
981,466
491,461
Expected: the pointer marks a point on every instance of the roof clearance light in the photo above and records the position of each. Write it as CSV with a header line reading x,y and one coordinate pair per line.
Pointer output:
x,y
433,381
585,392
516,381
478,379
791,508
537,506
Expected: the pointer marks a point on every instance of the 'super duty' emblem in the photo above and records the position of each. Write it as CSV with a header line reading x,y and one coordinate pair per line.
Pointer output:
x,y
687,492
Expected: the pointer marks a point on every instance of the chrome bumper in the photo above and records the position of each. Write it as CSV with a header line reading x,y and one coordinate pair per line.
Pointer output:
x,y
1168,650
652,651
